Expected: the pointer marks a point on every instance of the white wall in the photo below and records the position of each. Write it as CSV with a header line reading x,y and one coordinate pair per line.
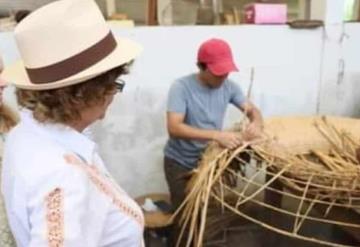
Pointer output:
x,y
291,66
340,89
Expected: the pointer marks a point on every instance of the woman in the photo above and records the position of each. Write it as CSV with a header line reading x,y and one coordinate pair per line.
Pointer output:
x,y
57,190
8,119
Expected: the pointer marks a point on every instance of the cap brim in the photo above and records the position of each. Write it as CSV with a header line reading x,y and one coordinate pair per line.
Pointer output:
x,y
222,68
125,51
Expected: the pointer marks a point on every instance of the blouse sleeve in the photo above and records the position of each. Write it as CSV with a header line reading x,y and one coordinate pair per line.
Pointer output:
x,y
59,209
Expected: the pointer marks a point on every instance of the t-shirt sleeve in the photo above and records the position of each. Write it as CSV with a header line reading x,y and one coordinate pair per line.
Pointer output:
x,y
176,101
237,97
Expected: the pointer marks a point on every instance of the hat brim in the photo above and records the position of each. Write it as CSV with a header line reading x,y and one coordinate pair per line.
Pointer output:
x,y
222,68
125,51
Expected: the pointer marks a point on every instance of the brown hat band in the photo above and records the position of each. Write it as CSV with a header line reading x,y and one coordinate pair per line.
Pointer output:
x,y
74,64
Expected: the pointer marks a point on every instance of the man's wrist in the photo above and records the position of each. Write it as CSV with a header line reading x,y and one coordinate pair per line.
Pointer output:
x,y
215,136
260,123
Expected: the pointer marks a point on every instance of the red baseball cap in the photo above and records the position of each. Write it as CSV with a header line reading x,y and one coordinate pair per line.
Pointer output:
x,y
217,56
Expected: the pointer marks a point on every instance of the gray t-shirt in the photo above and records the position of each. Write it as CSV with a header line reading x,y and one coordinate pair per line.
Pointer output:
x,y
204,108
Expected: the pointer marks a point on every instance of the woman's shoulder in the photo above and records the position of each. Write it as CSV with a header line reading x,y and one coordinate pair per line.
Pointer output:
x,y
34,156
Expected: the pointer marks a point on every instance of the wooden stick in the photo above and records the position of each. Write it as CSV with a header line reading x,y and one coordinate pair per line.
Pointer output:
x,y
280,210
296,228
267,226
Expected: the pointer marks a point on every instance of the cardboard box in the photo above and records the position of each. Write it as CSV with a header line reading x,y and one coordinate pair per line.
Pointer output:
x,y
265,13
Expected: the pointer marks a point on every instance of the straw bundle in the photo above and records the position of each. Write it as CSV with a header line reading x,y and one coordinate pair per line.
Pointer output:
x,y
312,157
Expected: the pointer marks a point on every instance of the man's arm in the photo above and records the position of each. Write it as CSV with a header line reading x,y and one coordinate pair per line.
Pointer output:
x,y
238,99
256,125
178,129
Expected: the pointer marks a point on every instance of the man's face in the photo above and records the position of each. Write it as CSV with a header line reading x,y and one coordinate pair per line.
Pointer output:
x,y
214,81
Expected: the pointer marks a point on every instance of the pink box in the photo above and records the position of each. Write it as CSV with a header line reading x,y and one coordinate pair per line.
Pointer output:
x,y
265,13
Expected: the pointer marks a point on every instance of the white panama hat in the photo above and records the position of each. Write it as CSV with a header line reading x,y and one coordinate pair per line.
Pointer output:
x,y
64,43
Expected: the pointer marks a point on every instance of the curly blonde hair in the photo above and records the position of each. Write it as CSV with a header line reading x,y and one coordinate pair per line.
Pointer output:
x,y
8,118
64,105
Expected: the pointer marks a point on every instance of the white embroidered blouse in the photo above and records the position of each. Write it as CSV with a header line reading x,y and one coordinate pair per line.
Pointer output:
x,y
58,192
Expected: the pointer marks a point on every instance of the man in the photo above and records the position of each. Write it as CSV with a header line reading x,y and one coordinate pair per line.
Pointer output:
x,y
195,113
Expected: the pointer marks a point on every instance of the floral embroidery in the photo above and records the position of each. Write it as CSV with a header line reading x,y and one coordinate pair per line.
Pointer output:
x,y
105,186
55,218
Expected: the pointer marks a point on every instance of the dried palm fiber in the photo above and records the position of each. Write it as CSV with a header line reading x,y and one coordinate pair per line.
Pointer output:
x,y
313,157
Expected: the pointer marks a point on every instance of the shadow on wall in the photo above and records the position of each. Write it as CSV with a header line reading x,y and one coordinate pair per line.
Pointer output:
x,y
355,97
132,137
342,97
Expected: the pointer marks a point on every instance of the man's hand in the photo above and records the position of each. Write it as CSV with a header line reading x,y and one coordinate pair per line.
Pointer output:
x,y
228,139
256,126
253,131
